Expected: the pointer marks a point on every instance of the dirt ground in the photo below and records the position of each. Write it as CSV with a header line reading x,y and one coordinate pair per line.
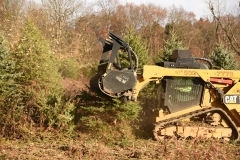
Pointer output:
x,y
72,87
61,148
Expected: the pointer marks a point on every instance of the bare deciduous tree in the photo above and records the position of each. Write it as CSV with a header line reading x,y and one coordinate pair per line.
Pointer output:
x,y
11,17
107,8
178,14
225,25
61,11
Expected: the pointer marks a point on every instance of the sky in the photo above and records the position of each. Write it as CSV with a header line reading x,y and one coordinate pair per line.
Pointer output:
x,y
199,7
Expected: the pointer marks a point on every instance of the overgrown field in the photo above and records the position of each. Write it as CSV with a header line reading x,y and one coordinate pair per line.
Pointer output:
x,y
48,57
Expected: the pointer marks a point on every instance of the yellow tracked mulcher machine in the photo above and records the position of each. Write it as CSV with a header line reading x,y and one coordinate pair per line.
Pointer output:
x,y
197,101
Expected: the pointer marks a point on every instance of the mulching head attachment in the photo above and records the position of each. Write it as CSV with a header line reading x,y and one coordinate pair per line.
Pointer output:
x,y
117,68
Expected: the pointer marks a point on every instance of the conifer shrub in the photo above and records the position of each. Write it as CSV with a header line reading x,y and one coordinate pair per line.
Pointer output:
x,y
103,117
89,71
222,58
8,88
69,68
170,44
138,46
7,76
39,96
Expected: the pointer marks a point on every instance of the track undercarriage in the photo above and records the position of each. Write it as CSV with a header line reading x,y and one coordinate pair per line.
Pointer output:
x,y
204,123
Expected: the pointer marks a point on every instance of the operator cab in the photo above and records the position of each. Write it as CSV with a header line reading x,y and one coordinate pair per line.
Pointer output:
x,y
183,92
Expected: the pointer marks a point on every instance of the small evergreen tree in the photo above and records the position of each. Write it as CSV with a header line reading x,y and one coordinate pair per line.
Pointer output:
x,y
41,92
169,46
69,68
222,58
7,76
35,58
103,116
8,87
9,90
138,46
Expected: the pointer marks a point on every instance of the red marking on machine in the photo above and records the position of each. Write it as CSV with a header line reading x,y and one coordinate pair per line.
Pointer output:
x,y
219,80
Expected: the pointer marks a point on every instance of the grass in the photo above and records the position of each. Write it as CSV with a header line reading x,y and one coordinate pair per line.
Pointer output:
x,y
83,146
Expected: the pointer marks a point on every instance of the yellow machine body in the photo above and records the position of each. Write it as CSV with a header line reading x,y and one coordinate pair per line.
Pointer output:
x,y
226,81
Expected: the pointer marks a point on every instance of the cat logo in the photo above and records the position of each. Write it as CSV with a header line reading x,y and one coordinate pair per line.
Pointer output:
x,y
231,99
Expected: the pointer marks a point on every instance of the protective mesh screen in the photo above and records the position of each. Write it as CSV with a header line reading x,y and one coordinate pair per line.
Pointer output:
x,y
183,92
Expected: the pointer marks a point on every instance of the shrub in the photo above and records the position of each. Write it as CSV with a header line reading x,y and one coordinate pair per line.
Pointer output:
x,y
102,117
138,46
222,58
89,71
40,100
170,45
8,76
69,68
8,89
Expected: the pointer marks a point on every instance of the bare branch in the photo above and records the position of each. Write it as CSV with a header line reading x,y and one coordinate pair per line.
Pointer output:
x,y
227,30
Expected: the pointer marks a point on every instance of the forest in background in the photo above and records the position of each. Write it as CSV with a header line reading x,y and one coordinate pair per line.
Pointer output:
x,y
44,47
73,27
